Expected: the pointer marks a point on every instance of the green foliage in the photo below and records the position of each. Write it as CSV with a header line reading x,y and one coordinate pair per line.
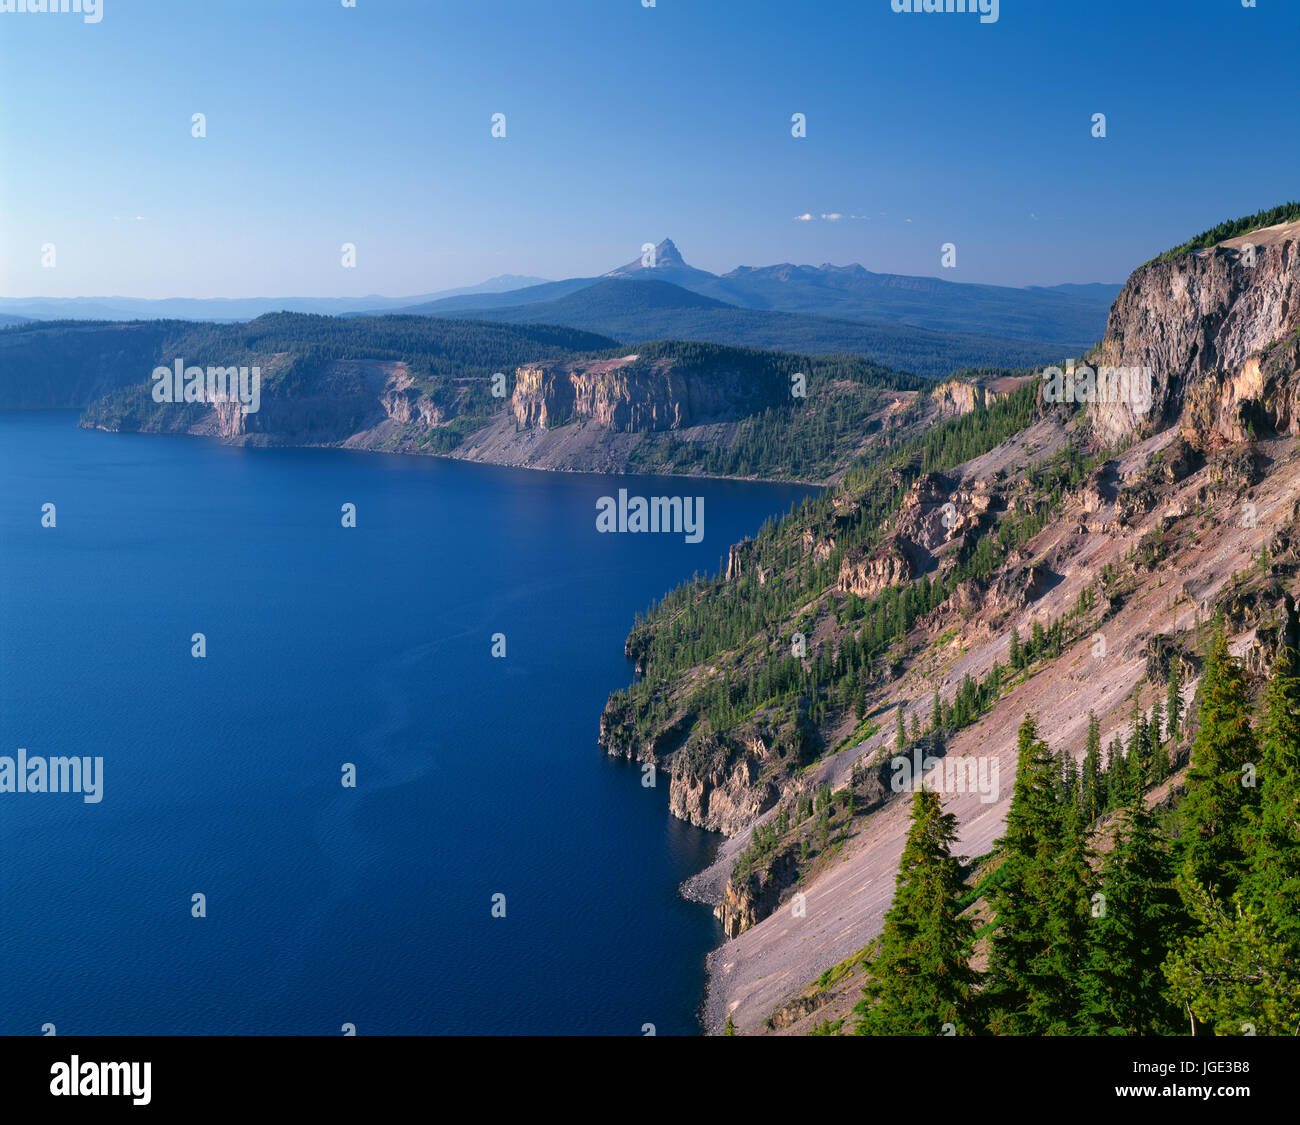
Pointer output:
x,y
1272,884
921,979
782,435
1218,795
1025,904
1235,975
1093,779
729,625
1135,918
1283,213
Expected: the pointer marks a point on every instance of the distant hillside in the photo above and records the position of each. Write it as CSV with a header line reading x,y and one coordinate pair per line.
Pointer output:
x,y
10,321
473,303
502,283
1061,320
927,302
230,309
68,364
1070,318
633,311
615,297
72,363
565,399
685,407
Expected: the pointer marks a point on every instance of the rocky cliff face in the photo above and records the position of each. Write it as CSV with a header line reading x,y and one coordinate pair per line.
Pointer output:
x,y
936,512
348,396
617,394
867,576
633,395
1219,335
722,787
960,396
716,781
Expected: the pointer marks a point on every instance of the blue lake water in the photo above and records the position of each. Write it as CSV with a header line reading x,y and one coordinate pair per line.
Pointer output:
x,y
222,776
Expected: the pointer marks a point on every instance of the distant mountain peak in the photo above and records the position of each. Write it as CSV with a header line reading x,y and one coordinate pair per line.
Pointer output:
x,y
667,254
666,257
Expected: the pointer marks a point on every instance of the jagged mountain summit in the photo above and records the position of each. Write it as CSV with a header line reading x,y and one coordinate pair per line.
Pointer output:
x,y
665,262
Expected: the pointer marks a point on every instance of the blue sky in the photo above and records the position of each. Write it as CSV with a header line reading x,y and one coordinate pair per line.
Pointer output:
x,y
626,124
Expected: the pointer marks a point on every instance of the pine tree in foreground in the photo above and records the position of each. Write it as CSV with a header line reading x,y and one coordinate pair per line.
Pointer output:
x,y
1055,1001
1023,915
1272,886
1215,810
1136,915
921,978
1234,975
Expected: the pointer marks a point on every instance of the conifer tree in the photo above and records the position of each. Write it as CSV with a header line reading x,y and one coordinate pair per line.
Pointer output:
x,y
1215,810
1093,780
900,736
1234,976
936,718
1031,845
1056,1000
1120,782
1173,704
1069,791
1136,916
1139,745
921,978
1014,656
1273,884
1159,755
1037,641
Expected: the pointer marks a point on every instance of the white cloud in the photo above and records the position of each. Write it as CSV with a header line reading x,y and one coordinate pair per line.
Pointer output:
x,y
826,216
